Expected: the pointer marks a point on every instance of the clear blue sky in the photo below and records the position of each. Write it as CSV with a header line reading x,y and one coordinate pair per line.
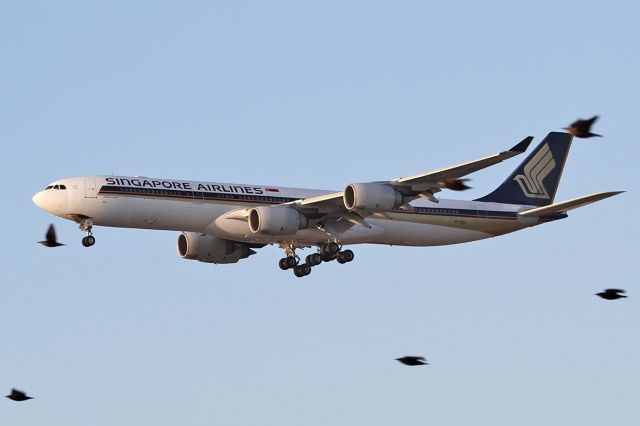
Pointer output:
x,y
318,94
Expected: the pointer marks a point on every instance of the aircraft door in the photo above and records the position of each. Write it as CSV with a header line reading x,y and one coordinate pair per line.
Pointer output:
x,y
90,189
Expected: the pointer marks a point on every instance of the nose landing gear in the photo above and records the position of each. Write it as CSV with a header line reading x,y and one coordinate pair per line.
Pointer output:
x,y
86,225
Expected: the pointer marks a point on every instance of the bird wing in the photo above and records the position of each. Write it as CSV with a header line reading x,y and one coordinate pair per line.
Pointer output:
x,y
615,290
592,120
17,393
51,234
577,124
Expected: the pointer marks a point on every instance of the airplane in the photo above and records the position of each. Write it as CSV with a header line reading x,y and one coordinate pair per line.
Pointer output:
x,y
223,223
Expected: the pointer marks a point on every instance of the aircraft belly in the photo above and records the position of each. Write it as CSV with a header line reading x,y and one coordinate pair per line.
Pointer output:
x,y
479,222
420,234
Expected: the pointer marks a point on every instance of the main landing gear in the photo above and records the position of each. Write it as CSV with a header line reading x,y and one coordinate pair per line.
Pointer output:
x,y
292,261
326,253
86,225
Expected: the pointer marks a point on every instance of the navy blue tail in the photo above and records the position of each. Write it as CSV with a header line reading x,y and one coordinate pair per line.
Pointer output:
x,y
536,179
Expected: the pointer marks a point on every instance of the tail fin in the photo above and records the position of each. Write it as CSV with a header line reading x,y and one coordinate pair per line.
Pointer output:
x,y
536,179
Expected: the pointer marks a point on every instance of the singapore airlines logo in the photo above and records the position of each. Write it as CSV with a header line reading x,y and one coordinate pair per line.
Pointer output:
x,y
534,173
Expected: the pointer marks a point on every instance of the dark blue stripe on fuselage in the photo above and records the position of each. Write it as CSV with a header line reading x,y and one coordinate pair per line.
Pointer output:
x,y
193,195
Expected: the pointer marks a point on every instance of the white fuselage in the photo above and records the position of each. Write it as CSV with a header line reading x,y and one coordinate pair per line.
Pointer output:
x,y
177,205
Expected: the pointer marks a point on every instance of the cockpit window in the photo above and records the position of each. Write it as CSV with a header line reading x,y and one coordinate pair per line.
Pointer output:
x,y
63,187
56,187
48,187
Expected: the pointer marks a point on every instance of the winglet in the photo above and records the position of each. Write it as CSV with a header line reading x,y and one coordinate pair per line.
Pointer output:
x,y
523,145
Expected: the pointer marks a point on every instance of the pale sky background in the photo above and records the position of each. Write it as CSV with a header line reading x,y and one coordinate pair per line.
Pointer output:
x,y
319,95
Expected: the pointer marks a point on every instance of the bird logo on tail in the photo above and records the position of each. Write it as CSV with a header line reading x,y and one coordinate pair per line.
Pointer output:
x,y
531,182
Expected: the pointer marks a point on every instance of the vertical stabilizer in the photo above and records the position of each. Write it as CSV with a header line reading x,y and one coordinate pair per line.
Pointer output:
x,y
536,179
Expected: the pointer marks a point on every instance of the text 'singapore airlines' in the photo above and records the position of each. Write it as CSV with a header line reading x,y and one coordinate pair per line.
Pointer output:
x,y
224,223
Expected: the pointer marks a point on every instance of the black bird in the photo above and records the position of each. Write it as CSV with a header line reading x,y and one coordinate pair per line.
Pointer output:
x,y
611,294
582,128
50,238
455,184
17,395
412,360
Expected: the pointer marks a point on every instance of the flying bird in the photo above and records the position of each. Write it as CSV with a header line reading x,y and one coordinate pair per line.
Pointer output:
x,y
50,238
413,360
611,294
17,395
582,128
455,184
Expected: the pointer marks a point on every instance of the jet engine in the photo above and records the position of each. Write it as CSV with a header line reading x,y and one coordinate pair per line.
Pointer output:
x,y
276,220
371,197
210,249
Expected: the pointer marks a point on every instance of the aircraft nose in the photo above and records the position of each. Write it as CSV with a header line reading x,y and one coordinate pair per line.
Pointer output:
x,y
37,200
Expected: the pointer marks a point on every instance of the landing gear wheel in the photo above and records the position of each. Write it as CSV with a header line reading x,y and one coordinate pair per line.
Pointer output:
x,y
301,270
291,261
328,257
347,255
88,241
332,248
306,269
283,264
313,259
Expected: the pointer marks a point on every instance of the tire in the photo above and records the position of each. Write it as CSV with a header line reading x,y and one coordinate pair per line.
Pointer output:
x,y
305,269
88,241
341,259
291,261
298,272
313,259
327,257
283,264
332,248
347,255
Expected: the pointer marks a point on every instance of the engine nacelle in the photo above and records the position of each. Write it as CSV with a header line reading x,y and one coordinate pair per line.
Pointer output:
x,y
210,249
276,220
371,197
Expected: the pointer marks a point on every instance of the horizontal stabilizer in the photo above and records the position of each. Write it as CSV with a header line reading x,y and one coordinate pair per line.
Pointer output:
x,y
569,204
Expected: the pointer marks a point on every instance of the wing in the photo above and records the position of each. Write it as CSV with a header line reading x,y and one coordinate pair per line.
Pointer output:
x,y
329,212
17,393
421,185
431,180
51,234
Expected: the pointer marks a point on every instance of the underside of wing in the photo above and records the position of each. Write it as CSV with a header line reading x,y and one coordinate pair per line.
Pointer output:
x,y
323,203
